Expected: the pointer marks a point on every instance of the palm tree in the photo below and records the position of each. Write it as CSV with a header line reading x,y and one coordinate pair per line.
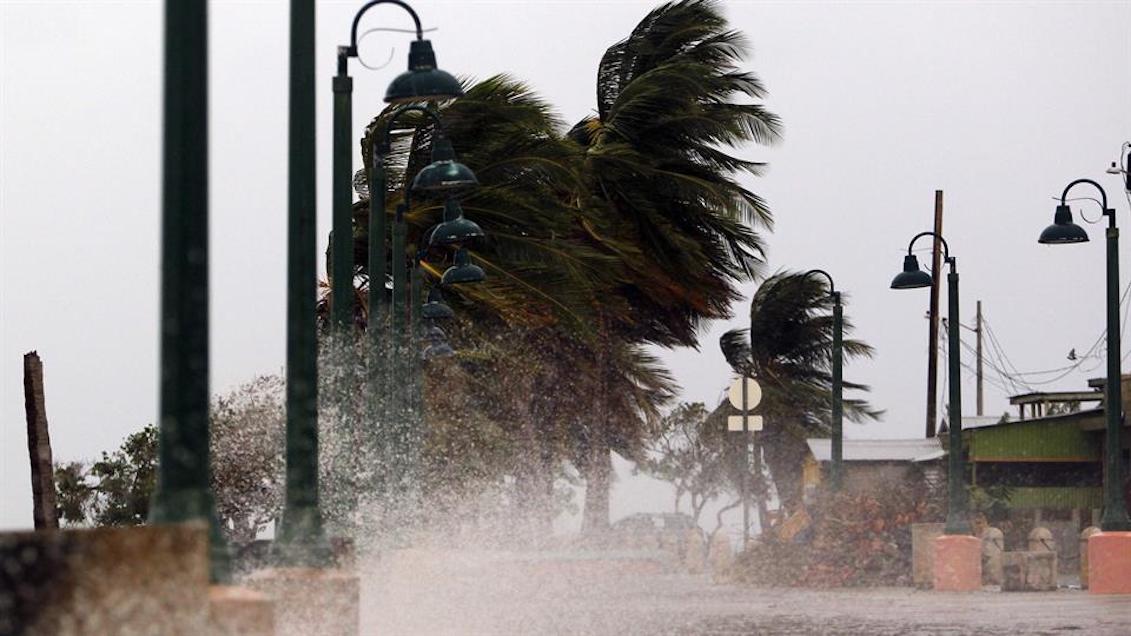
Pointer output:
x,y
660,190
788,348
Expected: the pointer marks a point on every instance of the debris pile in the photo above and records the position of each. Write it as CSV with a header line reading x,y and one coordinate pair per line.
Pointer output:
x,y
854,540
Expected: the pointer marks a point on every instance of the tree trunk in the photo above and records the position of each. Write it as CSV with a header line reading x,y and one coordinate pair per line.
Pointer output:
x,y
39,445
785,455
598,471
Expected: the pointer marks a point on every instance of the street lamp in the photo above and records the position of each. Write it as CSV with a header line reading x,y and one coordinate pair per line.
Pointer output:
x,y
1062,231
912,278
838,382
442,177
182,492
421,82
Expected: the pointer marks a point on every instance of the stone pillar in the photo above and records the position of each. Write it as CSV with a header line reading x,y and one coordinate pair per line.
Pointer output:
x,y
719,554
323,601
923,537
1040,540
695,555
1042,574
993,545
1084,536
958,563
1109,563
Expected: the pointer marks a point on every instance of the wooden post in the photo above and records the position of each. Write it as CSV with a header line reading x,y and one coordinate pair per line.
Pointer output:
x,y
39,445
933,337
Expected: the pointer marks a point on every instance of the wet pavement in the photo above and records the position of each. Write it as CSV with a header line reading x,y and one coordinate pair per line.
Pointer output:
x,y
449,593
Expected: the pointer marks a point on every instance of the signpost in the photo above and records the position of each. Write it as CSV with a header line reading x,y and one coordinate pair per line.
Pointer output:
x,y
744,395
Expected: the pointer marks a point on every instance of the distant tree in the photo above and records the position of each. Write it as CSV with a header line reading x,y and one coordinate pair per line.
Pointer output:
x,y
788,347
247,432
690,454
74,496
248,425
113,491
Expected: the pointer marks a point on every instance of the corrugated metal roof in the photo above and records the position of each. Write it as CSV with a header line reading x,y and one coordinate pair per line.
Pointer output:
x,y
878,450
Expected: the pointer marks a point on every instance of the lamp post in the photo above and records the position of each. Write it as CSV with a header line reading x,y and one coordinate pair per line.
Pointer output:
x,y
182,492
1063,231
443,176
301,540
911,278
838,381
421,82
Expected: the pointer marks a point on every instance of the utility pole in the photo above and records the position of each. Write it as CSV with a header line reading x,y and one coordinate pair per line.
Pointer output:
x,y
933,336
978,331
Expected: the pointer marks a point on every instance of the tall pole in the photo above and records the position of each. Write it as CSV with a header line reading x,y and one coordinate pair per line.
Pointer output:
x,y
376,367
1115,509
745,491
183,465
341,251
956,521
301,540
978,331
838,392
933,328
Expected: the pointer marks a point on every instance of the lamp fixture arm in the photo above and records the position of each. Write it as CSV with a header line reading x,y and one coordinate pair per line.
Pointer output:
x,y
1103,198
946,248
351,51
385,140
832,287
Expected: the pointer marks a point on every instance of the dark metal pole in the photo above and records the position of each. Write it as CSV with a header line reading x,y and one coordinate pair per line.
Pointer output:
x,y
956,521
182,492
397,324
978,352
1115,509
745,494
415,424
341,252
378,300
838,392
301,540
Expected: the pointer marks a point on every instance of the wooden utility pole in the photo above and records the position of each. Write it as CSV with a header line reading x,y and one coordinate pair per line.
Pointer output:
x,y
933,336
978,331
39,445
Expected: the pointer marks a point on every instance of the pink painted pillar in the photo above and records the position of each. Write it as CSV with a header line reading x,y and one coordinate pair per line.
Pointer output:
x,y
958,563
1109,563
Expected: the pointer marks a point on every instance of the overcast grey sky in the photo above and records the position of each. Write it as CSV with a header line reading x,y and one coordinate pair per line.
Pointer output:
x,y
998,104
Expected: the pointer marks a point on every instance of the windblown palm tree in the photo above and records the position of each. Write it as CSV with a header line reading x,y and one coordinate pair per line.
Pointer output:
x,y
788,348
661,191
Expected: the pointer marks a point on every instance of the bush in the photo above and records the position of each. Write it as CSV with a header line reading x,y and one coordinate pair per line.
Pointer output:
x,y
854,540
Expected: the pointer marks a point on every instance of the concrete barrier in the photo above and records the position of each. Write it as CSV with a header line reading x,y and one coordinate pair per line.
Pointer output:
x,y
311,600
150,580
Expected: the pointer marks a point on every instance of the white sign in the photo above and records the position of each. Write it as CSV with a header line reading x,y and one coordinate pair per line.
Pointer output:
x,y
753,398
753,423
753,394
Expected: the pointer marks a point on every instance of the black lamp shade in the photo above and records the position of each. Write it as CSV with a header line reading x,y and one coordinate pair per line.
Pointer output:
x,y
464,271
1063,229
435,308
911,277
423,81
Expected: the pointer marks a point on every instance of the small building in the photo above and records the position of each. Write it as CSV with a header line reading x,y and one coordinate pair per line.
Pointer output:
x,y
871,465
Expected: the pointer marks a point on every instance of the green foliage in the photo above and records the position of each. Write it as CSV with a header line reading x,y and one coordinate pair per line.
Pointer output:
x,y
113,491
991,501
